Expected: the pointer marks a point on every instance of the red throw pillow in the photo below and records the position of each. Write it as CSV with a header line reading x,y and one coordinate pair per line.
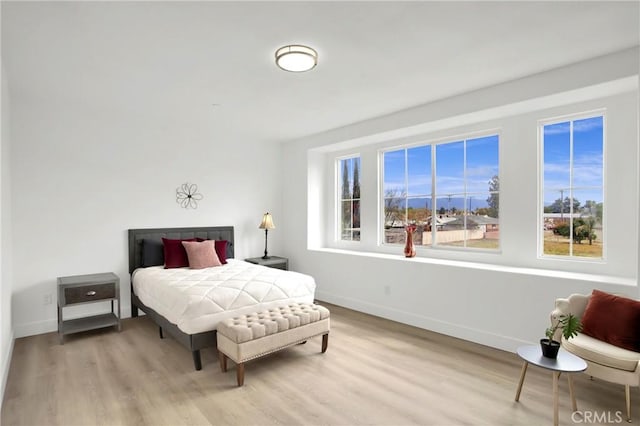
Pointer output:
x,y
613,319
175,256
221,250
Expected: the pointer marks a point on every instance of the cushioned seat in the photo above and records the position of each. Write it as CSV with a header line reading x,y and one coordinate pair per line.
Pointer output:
x,y
251,336
590,349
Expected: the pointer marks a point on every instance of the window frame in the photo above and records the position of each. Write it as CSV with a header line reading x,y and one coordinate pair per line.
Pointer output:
x,y
572,117
432,144
338,198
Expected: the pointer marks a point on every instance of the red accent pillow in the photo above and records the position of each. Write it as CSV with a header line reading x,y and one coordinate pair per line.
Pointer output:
x,y
175,256
613,319
201,254
221,250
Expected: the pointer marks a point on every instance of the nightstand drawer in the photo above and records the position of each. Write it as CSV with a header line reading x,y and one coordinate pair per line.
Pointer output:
x,y
89,293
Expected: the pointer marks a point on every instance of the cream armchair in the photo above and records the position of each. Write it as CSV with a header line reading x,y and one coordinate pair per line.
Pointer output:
x,y
604,361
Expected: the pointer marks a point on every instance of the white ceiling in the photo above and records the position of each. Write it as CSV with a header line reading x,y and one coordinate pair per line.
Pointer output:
x,y
172,61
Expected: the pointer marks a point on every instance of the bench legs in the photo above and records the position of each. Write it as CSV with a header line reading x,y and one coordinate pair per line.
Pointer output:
x,y
240,366
223,361
240,373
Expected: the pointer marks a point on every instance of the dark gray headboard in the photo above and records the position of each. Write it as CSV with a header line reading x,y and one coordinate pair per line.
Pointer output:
x,y
208,233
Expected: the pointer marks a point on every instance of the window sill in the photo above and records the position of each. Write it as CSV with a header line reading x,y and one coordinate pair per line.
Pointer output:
x,y
604,279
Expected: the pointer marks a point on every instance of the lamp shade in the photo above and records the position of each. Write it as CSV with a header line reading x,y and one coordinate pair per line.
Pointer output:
x,y
296,58
267,222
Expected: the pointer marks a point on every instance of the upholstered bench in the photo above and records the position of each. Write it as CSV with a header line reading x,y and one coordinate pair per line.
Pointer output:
x,y
251,336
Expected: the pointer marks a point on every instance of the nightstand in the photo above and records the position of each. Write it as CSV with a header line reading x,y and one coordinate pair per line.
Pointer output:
x,y
272,262
91,288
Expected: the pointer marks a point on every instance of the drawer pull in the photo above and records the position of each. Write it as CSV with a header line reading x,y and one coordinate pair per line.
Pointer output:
x,y
91,293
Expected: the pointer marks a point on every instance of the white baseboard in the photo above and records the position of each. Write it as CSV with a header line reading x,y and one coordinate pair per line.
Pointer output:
x,y
475,335
482,337
51,325
35,327
6,364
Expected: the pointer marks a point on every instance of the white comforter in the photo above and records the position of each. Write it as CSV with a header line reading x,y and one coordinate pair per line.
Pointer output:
x,y
197,299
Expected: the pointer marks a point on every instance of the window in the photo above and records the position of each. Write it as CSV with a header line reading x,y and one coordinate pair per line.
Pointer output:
x,y
573,187
349,198
449,190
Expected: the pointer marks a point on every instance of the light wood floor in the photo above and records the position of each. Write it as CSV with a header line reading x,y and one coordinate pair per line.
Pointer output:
x,y
375,372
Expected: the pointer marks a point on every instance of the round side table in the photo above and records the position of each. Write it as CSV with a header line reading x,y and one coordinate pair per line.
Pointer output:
x,y
565,363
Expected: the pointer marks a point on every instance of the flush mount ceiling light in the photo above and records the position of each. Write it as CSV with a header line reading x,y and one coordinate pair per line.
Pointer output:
x,y
296,58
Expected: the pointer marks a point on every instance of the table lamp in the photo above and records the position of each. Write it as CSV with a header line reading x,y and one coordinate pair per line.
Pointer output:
x,y
267,223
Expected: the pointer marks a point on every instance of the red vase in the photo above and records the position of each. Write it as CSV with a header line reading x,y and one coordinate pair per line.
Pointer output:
x,y
409,248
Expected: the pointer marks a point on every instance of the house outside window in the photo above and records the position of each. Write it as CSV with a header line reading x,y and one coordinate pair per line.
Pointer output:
x,y
572,188
349,198
449,190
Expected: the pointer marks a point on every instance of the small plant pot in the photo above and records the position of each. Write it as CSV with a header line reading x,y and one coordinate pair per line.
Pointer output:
x,y
550,348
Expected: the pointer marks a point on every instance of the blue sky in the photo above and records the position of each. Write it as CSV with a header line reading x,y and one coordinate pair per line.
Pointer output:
x,y
453,179
586,176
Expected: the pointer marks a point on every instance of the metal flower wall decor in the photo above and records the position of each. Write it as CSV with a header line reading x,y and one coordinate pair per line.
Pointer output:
x,y
187,195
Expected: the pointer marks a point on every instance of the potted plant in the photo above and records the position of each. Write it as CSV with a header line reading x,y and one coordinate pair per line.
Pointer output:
x,y
570,326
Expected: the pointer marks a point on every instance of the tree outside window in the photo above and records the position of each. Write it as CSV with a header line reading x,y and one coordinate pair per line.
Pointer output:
x,y
573,188
349,198
449,190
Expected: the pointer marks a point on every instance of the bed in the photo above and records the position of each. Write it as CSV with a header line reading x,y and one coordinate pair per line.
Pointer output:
x,y
188,303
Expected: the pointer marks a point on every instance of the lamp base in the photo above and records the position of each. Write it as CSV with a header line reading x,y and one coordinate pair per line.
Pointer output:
x,y
266,253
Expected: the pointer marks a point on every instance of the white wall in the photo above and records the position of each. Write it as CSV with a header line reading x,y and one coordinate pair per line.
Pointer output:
x,y
6,279
83,174
498,300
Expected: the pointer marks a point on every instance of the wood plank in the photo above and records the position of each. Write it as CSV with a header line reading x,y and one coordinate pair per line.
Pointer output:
x,y
375,372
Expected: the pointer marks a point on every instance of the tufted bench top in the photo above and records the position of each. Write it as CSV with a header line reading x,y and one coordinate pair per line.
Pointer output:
x,y
253,326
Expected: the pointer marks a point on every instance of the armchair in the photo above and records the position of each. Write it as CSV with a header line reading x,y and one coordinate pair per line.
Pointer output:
x,y
604,360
